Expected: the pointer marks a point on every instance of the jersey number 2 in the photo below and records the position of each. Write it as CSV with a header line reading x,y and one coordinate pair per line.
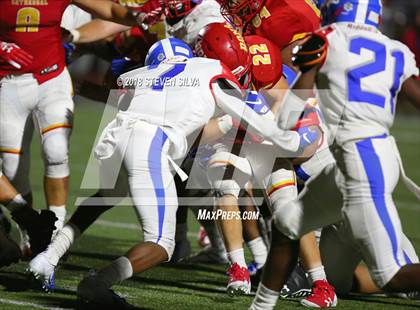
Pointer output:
x,y
28,20
355,76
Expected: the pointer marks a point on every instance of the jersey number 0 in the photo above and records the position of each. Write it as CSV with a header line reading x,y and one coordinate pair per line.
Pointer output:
x,y
28,20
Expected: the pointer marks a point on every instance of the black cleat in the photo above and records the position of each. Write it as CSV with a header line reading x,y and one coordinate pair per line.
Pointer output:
x,y
39,226
297,286
93,294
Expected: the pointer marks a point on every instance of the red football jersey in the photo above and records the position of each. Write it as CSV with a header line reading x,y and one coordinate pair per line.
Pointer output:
x,y
267,65
34,25
285,21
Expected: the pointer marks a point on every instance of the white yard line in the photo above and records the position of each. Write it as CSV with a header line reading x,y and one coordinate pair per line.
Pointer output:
x,y
29,304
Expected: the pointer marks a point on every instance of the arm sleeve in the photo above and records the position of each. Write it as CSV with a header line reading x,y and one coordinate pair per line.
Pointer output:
x,y
229,98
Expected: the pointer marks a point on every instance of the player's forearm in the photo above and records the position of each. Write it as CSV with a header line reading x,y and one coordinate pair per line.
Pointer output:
x,y
108,10
411,89
96,30
288,141
216,128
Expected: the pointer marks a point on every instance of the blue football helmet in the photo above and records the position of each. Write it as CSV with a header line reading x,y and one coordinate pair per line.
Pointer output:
x,y
167,48
366,12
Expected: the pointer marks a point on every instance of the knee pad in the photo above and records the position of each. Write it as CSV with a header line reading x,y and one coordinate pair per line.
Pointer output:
x,y
227,187
16,168
56,153
282,193
217,166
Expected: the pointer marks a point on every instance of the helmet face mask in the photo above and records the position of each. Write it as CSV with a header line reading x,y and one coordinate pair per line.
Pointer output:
x,y
240,12
178,8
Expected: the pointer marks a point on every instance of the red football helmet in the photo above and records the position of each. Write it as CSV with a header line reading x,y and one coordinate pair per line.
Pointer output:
x,y
178,8
240,12
222,42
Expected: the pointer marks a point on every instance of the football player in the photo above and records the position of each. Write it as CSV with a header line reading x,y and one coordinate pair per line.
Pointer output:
x,y
162,128
265,74
296,18
360,105
36,91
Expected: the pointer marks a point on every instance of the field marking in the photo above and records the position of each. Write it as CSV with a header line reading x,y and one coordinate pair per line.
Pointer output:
x,y
29,304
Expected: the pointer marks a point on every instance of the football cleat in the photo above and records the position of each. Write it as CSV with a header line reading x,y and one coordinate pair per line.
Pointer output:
x,y
297,286
239,281
322,296
208,255
93,294
43,271
39,227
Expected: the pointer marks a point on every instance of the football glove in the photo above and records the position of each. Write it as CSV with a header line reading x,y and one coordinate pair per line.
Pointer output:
x,y
311,53
307,136
14,55
121,65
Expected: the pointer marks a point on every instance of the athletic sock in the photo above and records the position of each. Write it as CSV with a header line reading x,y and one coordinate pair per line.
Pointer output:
x,y
259,251
238,257
316,274
61,243
60,213
118,271
265,299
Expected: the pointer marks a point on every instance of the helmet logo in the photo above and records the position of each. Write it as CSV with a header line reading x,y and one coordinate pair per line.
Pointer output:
x,y
238,36
161,57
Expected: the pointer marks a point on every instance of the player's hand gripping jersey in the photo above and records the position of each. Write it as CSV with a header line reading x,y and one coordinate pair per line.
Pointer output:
x,y
36,29
362,101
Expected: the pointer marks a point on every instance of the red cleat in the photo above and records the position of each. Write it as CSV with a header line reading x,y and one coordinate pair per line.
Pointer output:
x,y
239,281
322,296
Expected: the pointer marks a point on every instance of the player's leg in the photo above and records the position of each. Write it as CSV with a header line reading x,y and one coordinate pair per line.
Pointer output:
x,y
114,184
154,194
9,250
340,256
252,234
229,174
18,97
282,258
54,116
372,172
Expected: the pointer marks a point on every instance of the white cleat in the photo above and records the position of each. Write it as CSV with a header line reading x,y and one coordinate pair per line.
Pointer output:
x,y
43,271
208,255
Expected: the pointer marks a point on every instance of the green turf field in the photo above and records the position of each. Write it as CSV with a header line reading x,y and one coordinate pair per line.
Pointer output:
x,y
171,286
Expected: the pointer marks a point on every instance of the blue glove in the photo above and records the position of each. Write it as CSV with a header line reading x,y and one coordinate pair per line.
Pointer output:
x,y
120,65
69,49
257,102
307,136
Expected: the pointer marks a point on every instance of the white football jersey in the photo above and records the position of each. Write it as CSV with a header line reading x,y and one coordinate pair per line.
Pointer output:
x,y
363,74
175,95
187,29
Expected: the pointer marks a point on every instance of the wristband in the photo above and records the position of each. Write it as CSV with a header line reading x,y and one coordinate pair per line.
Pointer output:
x,y
225,123
75,36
